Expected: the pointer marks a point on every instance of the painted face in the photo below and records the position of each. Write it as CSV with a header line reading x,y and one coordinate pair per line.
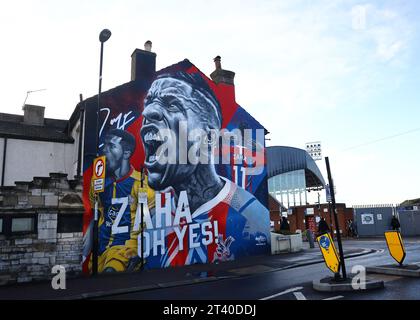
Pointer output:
x,y
114,152
168,102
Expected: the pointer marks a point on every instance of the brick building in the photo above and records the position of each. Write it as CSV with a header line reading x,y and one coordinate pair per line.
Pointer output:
x,y
276,210
307,217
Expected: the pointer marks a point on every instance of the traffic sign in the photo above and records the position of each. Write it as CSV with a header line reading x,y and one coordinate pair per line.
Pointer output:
x,y
395,245
328,193
326,244
98,176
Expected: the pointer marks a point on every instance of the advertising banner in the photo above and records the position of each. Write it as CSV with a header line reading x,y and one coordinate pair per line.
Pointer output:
x,y
185,177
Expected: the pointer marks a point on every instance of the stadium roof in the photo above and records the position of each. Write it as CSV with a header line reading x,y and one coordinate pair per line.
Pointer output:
x,y
286,159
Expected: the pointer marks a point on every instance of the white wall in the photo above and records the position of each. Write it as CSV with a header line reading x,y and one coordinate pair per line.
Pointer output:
x,y
26,159
75,134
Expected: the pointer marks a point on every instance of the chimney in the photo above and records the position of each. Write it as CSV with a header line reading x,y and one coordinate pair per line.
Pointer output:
x,y
143,62
218,63
33,115
221,76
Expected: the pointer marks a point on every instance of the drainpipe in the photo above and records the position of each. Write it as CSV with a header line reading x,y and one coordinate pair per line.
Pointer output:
x,y
4,162
79,152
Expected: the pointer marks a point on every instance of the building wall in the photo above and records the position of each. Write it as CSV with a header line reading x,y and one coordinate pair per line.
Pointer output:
x,y
72,169
31,257
26,159
298,220
55,238
275,214
219,107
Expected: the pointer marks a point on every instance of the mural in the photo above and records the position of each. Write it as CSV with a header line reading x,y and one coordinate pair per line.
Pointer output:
x,y
183,157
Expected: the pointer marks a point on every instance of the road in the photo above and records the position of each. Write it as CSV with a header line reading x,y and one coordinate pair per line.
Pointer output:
x,y
296,283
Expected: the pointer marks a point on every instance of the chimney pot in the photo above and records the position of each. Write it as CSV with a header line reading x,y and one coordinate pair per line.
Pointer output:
x,y
221,76
148,46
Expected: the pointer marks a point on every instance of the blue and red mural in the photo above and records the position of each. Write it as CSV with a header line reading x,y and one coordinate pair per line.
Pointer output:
x,y
186,176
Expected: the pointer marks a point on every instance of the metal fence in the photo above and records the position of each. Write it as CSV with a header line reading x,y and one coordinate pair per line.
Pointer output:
x,y
409,220
374,220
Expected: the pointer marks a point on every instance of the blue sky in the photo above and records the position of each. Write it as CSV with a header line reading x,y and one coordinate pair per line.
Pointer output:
x,y
342,72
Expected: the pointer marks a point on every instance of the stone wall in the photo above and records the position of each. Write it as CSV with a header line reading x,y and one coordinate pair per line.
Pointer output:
x,y
31,256
69,252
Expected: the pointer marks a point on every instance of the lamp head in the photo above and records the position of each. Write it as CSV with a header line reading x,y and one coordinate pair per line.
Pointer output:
x,y
104,35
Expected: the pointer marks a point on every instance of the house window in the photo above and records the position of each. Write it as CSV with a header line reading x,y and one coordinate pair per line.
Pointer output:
x,y
70,223
23,225
18,224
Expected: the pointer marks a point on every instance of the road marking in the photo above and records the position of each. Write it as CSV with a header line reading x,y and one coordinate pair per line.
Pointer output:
x,y
334,298
299,296
282,293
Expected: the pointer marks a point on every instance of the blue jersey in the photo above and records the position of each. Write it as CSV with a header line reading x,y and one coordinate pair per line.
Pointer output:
x,y
238,220
118,204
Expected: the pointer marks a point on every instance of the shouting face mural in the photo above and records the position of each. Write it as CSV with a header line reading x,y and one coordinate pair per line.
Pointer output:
x,y
180,117
201,195
180,111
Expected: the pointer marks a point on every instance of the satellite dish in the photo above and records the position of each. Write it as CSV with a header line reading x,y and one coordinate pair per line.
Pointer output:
x,y
104,35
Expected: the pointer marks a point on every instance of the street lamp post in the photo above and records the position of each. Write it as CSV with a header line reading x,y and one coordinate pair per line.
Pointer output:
x,y
337,227
142,218
103,37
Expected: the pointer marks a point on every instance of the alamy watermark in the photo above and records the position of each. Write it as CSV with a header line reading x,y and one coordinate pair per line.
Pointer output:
x,y
358,282
198,146
58,282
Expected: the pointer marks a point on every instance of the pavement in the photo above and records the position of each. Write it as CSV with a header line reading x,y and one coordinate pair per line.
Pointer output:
x,y
407,270
106,285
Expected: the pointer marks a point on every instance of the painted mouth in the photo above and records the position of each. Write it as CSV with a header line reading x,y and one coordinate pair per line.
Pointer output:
x,y
152,140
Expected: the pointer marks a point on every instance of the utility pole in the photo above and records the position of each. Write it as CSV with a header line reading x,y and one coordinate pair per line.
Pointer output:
x,y
103,37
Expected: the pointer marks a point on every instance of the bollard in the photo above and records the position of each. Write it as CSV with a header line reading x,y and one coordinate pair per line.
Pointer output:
x,y
311,239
